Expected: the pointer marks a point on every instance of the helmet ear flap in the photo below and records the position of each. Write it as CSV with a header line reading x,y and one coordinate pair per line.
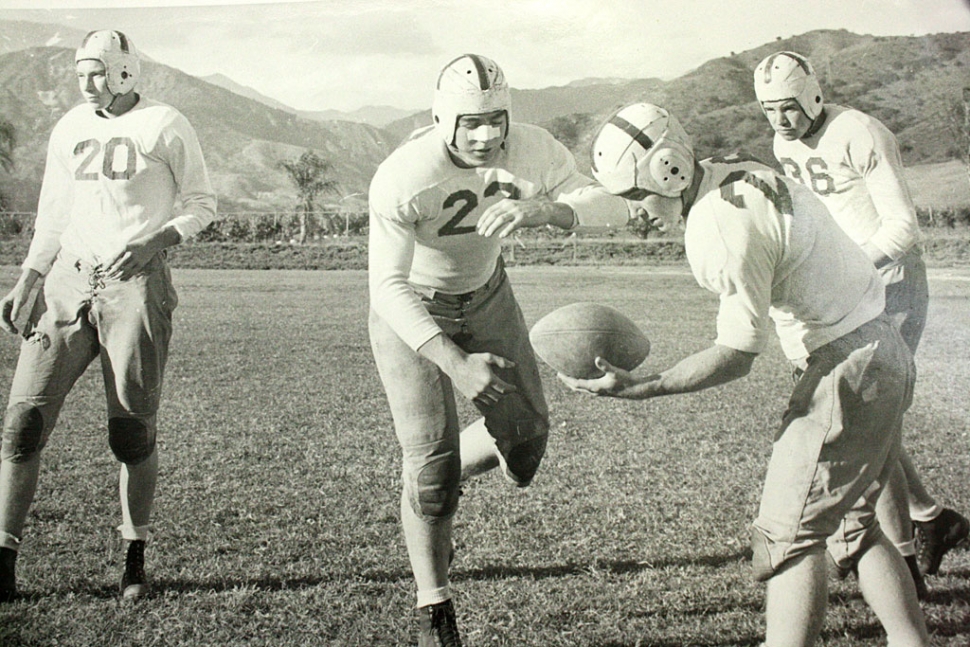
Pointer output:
x,y
671,166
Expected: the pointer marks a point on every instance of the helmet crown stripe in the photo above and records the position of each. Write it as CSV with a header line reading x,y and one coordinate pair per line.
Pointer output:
x,y
635,133
482,72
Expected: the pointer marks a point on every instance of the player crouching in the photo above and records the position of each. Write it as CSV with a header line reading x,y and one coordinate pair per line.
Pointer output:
x,y
772,252
443,315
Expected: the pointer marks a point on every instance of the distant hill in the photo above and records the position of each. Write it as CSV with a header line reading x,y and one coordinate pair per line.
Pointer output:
x,y
912,84
243,139
374,115
906,82
20,34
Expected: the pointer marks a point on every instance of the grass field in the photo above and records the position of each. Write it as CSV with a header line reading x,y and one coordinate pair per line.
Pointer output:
x,y
939,186
277,512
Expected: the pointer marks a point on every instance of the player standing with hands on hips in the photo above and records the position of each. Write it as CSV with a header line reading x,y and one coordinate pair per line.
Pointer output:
x,y
443,315
115,166
852,163
769,248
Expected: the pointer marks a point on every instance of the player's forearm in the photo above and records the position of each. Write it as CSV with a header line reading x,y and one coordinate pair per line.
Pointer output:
x,y
161,239
710,367
561,215
28,277
443,352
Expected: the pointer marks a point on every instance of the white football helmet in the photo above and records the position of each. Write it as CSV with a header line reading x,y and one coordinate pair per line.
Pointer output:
x,y
469,85
787,75
117,53
643,148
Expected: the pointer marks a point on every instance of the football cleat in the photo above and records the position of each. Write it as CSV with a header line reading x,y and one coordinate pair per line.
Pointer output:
x,y
8,578
437,626
937,536
134,584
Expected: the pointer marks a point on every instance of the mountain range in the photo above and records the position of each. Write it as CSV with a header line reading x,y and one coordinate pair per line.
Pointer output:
x,y
912,84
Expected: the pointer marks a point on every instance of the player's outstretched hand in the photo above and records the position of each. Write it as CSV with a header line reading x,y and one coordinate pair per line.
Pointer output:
x,y
506,215
612,383
478,382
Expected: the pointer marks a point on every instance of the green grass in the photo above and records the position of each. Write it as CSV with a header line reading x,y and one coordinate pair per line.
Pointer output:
x,y
277,513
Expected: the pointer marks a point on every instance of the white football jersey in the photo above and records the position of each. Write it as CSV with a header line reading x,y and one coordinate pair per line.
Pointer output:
x,y
109,181
424,209
769,248
852,163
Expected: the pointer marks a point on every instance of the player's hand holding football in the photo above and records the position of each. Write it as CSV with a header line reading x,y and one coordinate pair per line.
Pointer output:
x,y
614,381
505,216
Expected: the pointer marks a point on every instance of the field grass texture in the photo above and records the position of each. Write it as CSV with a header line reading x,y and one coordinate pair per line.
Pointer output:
x,y
277,511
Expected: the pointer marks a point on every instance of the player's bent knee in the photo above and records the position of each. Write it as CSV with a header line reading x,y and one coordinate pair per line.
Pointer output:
x,y
761,566
130,439
437,487
23,433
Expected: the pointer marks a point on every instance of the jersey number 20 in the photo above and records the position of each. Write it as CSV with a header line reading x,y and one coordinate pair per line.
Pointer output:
x,y
93,147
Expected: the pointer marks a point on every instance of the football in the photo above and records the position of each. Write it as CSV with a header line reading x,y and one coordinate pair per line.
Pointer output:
x,y
570,339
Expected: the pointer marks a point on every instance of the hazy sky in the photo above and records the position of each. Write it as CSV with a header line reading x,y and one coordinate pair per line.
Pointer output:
x,y
345,54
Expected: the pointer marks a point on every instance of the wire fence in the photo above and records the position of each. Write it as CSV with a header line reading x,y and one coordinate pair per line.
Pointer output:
x,y
290,227
239,226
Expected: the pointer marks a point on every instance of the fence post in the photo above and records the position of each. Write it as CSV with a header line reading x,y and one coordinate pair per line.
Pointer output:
x,y
966,125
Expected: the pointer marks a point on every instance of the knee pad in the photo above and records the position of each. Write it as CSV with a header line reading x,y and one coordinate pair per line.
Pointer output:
x,y
437,486
23,433
130,439
760,557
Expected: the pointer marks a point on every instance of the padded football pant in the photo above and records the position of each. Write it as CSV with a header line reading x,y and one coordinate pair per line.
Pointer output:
x,y
837,446
80,315
422,399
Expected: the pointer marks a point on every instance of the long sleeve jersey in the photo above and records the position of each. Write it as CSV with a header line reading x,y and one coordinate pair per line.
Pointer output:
x,y
424,208
852,163
110,181
769,248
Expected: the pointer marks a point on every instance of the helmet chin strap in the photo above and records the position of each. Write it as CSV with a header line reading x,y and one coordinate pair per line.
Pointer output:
x,y
114,97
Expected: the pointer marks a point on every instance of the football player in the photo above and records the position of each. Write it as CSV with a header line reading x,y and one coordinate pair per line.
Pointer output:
x,y
105,218
769,248
443,316
852,163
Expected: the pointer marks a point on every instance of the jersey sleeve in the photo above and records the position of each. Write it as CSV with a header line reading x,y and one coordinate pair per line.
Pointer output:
x,y
53,209
881,166
390,254
592,204
189,170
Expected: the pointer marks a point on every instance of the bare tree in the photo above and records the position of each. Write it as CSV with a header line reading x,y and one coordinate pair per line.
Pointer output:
x,y
309,174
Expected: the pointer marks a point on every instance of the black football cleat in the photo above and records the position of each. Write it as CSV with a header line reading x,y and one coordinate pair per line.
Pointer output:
x,y
8,577
134,583
936,537
437,626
